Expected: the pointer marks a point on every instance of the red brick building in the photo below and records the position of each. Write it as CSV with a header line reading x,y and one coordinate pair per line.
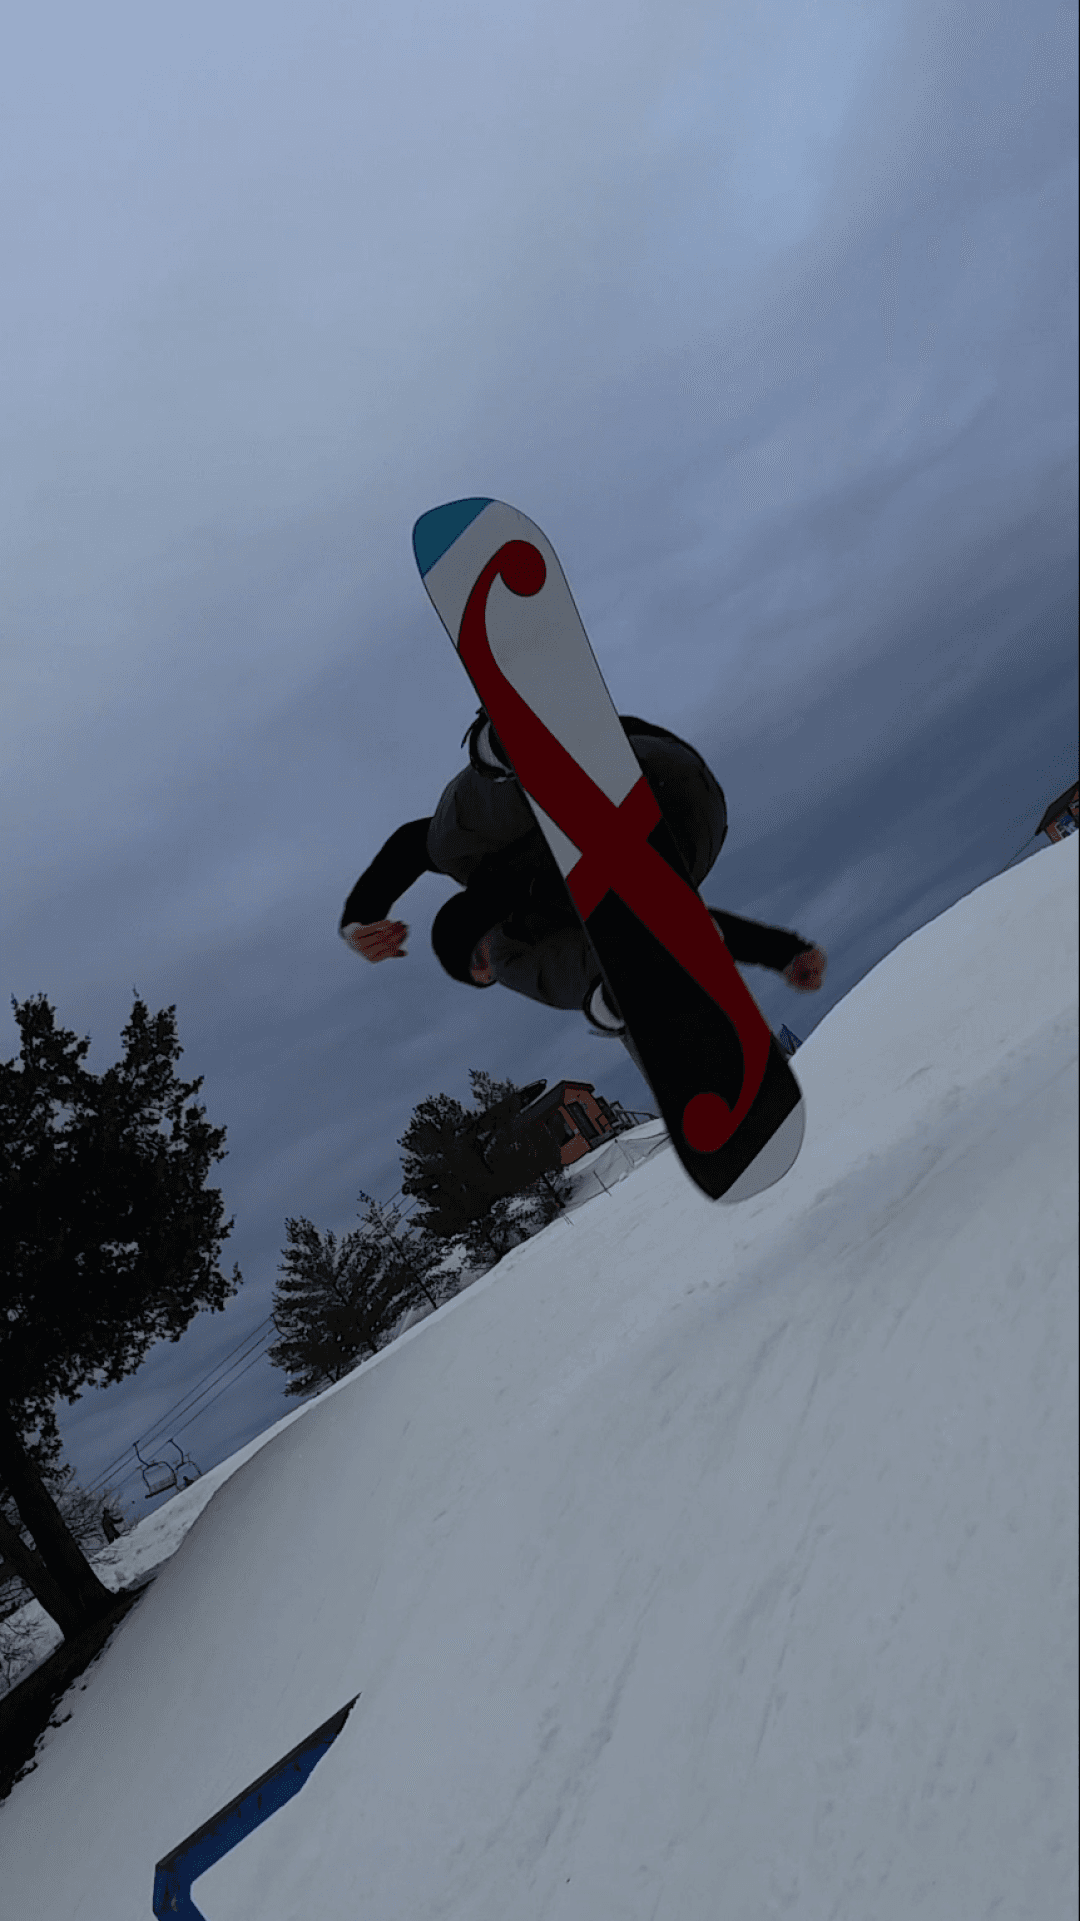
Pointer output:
x,y
1062,817
577,1117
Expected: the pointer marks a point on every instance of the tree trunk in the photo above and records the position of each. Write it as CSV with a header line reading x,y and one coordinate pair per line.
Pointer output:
x,y
489,1237
404,1257
58,1573
556,1197
28,1565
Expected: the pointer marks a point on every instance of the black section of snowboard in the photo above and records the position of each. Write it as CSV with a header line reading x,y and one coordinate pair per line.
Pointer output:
x,y
687,1043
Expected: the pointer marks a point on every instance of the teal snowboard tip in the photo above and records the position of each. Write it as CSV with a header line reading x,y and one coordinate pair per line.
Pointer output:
x,y
437,530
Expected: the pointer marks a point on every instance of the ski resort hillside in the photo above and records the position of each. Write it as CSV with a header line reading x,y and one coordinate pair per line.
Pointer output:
x,y
699,1563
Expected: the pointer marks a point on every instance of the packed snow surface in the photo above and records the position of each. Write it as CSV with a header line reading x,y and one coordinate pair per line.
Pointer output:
x,y
700,1563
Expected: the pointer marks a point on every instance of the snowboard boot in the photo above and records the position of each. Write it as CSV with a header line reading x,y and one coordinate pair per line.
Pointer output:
x,y
486,751
602,1017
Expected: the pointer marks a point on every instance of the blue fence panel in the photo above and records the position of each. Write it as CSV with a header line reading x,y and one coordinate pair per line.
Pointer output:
x,y
247,1810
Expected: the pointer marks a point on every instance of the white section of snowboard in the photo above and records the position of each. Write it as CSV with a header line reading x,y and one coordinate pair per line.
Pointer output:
x,y
541,646
779,1154
564,850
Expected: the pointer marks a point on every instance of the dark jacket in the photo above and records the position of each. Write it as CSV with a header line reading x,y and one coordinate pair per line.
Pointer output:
x,y
485,835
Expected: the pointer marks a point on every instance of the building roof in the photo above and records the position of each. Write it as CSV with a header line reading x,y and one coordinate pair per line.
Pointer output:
x,y
539,1109
1056,807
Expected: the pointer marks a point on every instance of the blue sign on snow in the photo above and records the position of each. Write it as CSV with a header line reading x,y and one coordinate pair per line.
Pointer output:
x,y
176,1871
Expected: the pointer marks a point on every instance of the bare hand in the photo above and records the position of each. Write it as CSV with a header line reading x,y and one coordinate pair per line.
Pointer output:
x,y
480,968
807,971
376,940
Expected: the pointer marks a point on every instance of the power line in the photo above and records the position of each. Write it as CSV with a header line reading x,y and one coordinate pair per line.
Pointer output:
x,y
187,1400
216,1378
179,1406
179,1426
1019,851
244,1370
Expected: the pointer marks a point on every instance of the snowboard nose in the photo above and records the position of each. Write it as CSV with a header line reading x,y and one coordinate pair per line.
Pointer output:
x,y
438,529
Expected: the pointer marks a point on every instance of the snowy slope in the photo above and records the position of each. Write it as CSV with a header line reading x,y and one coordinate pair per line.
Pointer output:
x,y
29,1635
698,1562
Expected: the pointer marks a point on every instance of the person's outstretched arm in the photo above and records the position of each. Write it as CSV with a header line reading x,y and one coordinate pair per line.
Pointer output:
x,y
364,925
755,945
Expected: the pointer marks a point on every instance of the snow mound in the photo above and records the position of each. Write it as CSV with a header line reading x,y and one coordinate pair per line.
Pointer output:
x,y
698,1561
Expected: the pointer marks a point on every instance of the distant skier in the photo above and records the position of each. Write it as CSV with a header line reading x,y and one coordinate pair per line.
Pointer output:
x,y
514,922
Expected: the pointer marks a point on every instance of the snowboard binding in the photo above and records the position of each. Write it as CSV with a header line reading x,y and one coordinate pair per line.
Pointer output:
x,y
486,752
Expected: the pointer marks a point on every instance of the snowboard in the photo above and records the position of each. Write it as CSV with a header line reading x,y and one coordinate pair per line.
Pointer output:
x,y
731,1104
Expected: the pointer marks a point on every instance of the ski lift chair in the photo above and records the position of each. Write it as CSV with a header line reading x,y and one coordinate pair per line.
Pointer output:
x,y
167,1472
185,1460
158,1475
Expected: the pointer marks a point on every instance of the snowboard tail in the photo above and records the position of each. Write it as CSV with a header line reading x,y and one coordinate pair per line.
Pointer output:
x,y
692,1051
731,1103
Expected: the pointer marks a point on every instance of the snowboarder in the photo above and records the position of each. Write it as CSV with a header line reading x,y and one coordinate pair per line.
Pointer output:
x,y
514,921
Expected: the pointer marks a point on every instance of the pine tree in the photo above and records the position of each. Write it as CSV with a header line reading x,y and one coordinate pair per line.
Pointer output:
x,y
478,1183
338,1301
523,1163
109,1241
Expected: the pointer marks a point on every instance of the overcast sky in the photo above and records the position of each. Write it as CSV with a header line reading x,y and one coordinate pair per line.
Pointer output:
x,y
767,316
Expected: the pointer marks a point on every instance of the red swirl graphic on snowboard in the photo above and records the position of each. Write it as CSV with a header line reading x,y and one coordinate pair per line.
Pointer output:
x,y
615,854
